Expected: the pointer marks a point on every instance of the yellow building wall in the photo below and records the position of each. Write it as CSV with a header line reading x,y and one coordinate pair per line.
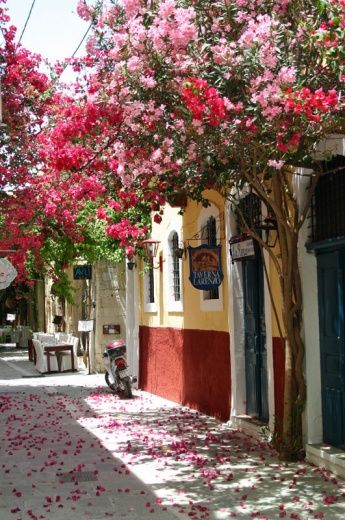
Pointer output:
x,y
278,302
191,317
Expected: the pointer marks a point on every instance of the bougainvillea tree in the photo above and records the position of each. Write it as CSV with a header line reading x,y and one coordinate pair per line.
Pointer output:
x,y
190,94
223,94
26,96
48,139
34,242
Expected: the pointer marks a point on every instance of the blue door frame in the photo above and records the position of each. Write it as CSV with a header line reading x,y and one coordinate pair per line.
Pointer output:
x,y
255,338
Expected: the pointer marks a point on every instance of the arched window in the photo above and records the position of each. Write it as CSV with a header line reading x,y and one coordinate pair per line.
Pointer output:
x,y
174,273
151,287
149,291
209,236
175,268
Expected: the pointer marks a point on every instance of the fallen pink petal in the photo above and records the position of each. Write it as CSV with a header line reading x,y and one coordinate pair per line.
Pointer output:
x,y
144,454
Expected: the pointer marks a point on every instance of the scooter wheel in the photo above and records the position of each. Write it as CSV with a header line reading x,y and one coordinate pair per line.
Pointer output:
x,y
127,385
112,386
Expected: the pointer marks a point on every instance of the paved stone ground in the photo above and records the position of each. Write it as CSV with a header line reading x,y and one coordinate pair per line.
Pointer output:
x,y
71,450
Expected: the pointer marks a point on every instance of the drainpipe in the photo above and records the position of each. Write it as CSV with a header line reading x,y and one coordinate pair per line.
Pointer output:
x,y
132,320
92,346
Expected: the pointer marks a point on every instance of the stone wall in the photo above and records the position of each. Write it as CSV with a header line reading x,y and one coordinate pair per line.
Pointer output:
x,y
103,299
109,295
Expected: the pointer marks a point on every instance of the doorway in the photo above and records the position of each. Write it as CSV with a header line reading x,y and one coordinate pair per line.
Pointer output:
x,y
331,278
255,337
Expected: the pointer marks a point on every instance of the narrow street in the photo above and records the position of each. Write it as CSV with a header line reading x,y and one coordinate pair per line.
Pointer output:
x,y
72,450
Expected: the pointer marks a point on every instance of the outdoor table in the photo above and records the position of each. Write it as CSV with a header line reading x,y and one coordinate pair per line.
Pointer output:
x,y
58,348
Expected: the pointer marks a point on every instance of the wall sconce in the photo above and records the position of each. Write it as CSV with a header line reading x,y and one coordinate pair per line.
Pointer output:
x,y
131,265
57,320
180,251
269,224
151,248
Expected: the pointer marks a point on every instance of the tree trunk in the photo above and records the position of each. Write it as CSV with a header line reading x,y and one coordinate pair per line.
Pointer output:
x,y
279,198
290,445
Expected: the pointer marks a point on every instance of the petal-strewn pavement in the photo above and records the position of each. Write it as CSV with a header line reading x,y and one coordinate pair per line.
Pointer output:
x,y
72,450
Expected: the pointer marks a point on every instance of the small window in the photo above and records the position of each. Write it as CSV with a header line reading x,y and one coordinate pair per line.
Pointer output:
x,y
149,291
248,214
175,268
173,279
328,217
151,287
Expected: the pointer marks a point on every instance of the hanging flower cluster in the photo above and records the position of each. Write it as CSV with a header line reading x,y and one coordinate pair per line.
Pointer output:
x,y
203,101
128,235
310,104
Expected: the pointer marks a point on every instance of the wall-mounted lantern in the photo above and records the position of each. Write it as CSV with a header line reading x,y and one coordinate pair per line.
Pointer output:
x,y
269,224
151,249
131,264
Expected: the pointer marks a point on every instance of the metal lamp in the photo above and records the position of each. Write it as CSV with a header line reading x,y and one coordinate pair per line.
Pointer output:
x,y
151,249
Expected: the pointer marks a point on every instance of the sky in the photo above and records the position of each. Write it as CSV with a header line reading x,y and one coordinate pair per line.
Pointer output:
x,y
54,29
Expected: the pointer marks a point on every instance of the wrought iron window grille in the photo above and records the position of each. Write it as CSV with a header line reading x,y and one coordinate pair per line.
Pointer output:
x,y
328,208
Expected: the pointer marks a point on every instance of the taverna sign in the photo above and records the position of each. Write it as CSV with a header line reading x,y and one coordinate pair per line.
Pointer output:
x,y
205,267
7,273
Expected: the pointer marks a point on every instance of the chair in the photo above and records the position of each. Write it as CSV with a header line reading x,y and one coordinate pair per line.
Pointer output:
x,y
66,363
41,358
25,335
45,337
61,337
31,351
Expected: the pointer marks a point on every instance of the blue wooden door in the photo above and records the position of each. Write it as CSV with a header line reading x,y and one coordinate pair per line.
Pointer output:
x,y
331,267
255,338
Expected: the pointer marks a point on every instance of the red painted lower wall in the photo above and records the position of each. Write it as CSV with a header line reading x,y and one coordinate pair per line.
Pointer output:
x,y
191,367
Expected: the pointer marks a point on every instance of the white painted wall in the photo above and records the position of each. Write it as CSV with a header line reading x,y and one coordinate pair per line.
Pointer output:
x,y
236,326
109,294
132,321
308,269
235,308
333,145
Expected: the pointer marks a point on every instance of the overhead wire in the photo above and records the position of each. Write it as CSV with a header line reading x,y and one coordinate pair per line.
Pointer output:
x,y
81,41
27,21
77,48
101,3
22,34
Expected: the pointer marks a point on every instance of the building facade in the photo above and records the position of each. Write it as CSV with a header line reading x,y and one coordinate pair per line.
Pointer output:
x,y
215,350
322,249
184,341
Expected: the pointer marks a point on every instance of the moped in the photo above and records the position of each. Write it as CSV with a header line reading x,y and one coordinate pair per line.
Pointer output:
x,y
116,368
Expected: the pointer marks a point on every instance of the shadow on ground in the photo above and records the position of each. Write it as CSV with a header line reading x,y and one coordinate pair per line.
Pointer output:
x,y
72,449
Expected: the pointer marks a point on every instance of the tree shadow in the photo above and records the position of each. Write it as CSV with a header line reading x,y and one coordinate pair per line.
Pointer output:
x,y
70,442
